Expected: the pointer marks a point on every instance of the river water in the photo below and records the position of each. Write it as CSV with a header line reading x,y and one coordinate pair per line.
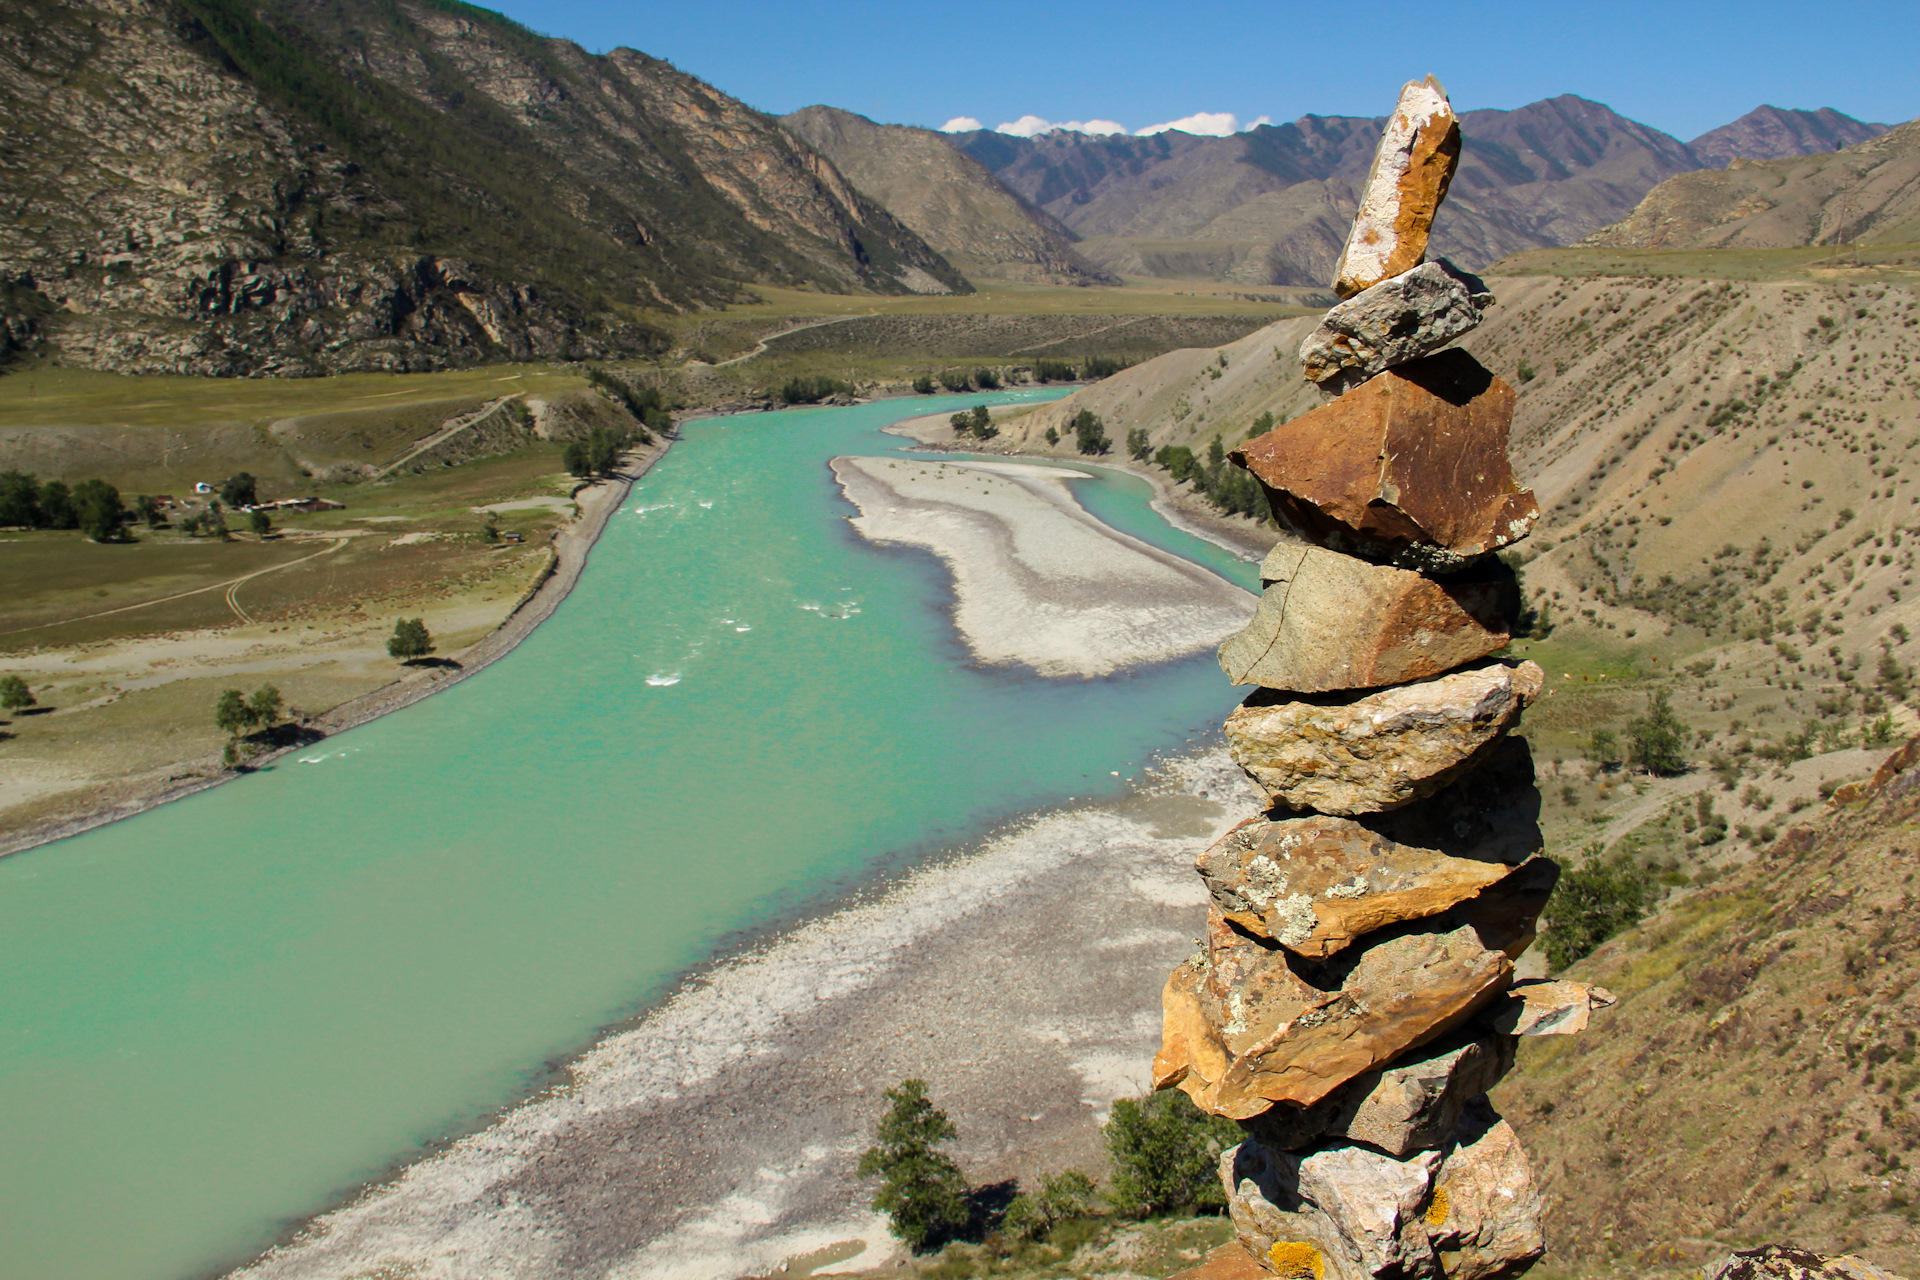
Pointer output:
x,y
221,1016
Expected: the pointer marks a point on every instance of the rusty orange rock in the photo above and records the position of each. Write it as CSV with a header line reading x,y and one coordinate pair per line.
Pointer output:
x,y
1418,152
1410,468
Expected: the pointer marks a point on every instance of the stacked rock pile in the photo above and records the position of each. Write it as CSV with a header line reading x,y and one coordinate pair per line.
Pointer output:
x,y
1354,997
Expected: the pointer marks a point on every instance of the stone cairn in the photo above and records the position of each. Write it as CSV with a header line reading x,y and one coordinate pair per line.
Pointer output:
x,y
1354,998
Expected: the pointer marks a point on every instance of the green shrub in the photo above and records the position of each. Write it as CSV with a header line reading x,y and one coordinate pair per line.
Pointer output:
x,y
1138,446
811,389
1090,433
1656,741
1165,1154
923,385
922,1192
1052,371
1592,902
1062,1197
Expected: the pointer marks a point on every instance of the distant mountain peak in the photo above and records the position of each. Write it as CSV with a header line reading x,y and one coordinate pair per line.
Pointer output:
x,y
1777,133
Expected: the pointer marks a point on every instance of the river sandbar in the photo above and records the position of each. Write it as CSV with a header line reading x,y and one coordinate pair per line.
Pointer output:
x,y
1038,581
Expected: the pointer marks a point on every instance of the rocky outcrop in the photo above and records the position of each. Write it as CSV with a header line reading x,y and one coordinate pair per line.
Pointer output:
x,y
1354,998
306,188
1785,1262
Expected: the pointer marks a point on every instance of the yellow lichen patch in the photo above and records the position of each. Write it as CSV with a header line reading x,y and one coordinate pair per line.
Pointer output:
x,y
1297,1260
1437,1210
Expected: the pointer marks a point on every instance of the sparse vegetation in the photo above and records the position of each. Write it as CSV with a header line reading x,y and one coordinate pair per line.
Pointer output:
x,y
1592,902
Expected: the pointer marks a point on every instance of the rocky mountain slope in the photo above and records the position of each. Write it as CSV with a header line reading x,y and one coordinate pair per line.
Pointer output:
x,y
208,186
1770,133
1757,1080
1271,205
947,197
1867,192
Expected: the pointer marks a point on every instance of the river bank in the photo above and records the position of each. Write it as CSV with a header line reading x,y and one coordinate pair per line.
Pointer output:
x,y
567,557
1019,977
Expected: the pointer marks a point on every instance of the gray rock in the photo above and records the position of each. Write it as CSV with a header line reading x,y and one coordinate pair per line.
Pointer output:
x,y
1395,321
1383,750
1415,1104
1788,1262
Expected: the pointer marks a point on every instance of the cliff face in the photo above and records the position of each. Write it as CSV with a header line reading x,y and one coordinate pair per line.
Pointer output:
x,y
946,196
203,187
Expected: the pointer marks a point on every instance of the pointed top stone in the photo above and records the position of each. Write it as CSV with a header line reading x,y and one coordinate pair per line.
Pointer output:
x,y
1418,153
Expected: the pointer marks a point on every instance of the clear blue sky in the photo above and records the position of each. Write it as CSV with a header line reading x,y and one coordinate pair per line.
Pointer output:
x,y
1679,66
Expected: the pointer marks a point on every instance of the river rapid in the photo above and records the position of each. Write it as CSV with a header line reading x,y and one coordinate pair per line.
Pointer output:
x,y
222,1016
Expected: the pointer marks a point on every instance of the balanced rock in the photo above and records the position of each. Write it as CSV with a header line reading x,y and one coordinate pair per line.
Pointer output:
x,y
1411,169
1242,1031
1383,750
1316,884
1541,1008
1347,1212
1397,320
1484,1217
1338,1213
1414,1104
1331,622
1490,813
1409,468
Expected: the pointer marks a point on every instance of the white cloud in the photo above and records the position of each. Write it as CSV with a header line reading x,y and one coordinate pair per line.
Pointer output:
x,y
1033,126
1210,124
961,124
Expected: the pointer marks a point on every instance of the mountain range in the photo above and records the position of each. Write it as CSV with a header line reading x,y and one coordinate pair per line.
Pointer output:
x,y
1271,205
212,186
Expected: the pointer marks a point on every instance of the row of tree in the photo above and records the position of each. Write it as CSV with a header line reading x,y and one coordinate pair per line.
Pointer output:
x,y
96,509
1163,1150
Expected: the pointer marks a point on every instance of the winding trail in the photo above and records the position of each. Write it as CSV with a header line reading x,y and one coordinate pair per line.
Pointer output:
x,y
447,431
761,348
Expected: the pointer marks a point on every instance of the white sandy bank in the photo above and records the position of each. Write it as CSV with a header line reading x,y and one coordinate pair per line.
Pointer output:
x,y
1038,581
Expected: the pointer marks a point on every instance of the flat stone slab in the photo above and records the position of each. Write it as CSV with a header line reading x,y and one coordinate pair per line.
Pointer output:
x,y
1549,1008
1409,468
1329,622
1418,152
1384,750
1400,319
1314,885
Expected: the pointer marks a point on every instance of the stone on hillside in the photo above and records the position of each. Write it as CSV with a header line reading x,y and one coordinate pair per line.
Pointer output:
x,y
1331,622
1484,1217
1409,468
1787,1262
1316,884
1243,1031
1492,812
1395,321
1539,1008
1338,1213
1231,1261
1411,169
1414,1104
1383,750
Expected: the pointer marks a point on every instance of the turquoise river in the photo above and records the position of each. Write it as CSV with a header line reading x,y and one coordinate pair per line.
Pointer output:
x,y
224,1015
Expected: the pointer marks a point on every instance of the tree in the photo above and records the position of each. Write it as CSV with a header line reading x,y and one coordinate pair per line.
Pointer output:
x,y
986,379
147,509
923,385
579,462
260,522
1592,902
603,452
410,640
921,1190
1178,460
1657,741
1090,433
14,694
490,527
1053,437
1166,1154
231,713
264,705
19,499
1603,748
98,511
1138,445
1061,1197
238,490
56,507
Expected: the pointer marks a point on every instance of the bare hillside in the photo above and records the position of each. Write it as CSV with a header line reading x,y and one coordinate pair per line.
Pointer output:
x,y
1770,133
947,197
1869,192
